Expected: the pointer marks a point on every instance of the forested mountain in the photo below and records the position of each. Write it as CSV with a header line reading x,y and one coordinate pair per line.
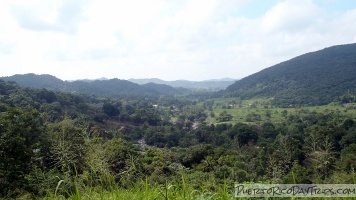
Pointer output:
x,y
214,84
107,88
163,88
314,78
37,81
110,88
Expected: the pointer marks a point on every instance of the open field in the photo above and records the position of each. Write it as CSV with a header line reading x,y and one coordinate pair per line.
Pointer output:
x,y
260,110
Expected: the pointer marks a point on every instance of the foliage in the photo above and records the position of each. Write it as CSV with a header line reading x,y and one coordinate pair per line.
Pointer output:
x,y
65,145
224,117
316,78
67,150
20,133
108,88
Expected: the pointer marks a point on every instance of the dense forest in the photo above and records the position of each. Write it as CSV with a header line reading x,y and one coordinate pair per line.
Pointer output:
x,y
67,145
315,78
107,88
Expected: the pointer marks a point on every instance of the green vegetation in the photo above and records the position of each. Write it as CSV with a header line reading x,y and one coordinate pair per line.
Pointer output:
x,y
316,78
56,145
106,88
260,110
119,140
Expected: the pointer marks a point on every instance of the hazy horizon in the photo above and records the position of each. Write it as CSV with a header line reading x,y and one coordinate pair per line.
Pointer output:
x,y
105,78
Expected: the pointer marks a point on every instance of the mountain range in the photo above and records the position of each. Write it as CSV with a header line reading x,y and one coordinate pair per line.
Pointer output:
x,y
116,87
213,84
315,78
106,88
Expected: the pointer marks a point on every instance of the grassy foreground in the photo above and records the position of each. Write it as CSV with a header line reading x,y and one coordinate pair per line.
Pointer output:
x,y
143,191
174,192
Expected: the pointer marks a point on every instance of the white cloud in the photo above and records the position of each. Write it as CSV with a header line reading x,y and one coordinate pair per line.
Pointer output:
x,y
291,16
289,29
188,39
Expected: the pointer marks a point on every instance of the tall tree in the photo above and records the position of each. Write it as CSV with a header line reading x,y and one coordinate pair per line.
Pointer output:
x,y
20,132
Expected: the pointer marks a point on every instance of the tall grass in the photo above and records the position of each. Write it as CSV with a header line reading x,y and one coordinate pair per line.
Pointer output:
x,y
143,190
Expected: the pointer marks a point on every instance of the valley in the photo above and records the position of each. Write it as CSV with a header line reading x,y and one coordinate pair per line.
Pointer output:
x,y
115,139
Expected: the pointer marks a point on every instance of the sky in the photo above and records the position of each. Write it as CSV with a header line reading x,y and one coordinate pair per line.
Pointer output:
x,y
166,39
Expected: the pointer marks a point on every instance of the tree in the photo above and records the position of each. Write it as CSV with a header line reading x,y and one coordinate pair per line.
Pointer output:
x,y
269,130
67,146
47,95
348,157
284,113
321,159
110,109
121,157
348,124
224,116
245,134
253,117
297,175
20,132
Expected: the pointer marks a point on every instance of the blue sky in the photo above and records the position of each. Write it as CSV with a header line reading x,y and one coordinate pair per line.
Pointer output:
x,y
337,5
257,8
170,40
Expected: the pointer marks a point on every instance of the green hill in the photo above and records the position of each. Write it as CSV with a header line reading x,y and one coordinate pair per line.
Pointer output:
x,y
110,88
37,81
314,78
163,88
107,88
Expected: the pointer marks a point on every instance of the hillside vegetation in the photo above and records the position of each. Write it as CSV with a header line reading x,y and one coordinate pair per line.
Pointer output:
x,y
57,145
107,88
113,139
316,78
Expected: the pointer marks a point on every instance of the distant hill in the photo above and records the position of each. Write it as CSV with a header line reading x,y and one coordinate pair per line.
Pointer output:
x,y
103,87
116,87
314,78
163,88
90,80
222,79
110,88
37,81
148,80
214,84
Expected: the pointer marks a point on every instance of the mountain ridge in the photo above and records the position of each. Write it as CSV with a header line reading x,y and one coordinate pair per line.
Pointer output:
x,y
152,86
212,84
107,88
314,78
